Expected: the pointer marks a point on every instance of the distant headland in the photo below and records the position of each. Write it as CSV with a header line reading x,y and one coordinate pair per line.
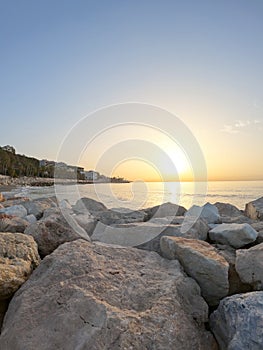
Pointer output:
x,y
17,169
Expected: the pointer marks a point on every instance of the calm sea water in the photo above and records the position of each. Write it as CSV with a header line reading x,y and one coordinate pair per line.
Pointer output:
x,y
139,195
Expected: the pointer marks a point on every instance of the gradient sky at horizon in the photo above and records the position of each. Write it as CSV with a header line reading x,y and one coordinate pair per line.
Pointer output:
x,y
200,60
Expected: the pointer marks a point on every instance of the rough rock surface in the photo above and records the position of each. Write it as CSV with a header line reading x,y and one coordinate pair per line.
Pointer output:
x,y
89,205
201,262
15,210
10,223
208,212
94,296
9,202
164,210
249,266
226,209
18,258
238,322
254,209
147,235
236,235
31,218
231,214
38,206
121,216
236,286
1,197
53,231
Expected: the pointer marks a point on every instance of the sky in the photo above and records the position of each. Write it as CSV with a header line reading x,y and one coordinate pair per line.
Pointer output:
x,y
201,61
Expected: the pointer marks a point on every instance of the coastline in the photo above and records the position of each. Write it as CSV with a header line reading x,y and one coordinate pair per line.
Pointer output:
x,y
13,182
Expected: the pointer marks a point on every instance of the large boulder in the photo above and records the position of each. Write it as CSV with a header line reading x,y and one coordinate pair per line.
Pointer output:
x,y
238,321
55,230
10,223
208,212
18,258
231,214
236,235
38,206
147,235
201,262
95,296
164,210
227,210
89,205
254,209
249,266
15,210
121,216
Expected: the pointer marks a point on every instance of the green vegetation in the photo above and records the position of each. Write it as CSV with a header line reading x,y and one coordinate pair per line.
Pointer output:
x,y
15,165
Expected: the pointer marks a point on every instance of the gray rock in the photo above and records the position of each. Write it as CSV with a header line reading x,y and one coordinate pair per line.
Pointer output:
x,y
208,212
238,322
88,205
15,210
254,209
147,235
86,296
228,210
87,222
121,216
236,235
12,223
167,220
18,258
236,286
201,262
38,206
31,218
258,226
64,204
51,211
53,231
249,266
165,210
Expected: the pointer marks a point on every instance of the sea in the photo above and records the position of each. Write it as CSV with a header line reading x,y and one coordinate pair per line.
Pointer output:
x,y
139,195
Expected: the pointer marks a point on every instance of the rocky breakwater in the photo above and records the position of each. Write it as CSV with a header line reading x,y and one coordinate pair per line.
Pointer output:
x,y
158,278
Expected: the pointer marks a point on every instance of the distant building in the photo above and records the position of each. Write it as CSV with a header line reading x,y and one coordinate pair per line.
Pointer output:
x,y
91,175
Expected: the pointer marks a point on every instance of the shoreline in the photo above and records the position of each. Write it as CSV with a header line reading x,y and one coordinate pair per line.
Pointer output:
x,y
7,181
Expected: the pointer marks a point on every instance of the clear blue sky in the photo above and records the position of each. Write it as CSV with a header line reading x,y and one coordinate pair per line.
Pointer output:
x,y
202,60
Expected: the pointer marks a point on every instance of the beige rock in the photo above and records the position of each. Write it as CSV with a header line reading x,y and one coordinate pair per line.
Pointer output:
x,y
254,209
95,296
55,230
201,262
1,197
249,266
18,258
